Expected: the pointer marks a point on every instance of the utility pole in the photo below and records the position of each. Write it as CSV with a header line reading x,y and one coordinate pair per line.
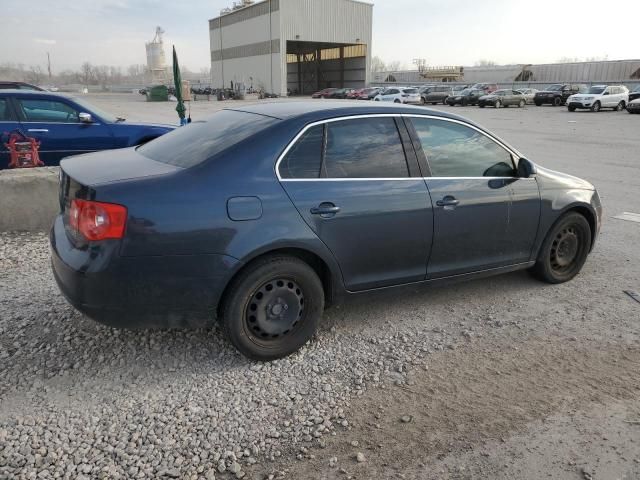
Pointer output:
x,y
49,65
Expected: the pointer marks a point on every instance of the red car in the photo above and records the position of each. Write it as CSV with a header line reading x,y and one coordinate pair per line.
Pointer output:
x,y
324,93
354,94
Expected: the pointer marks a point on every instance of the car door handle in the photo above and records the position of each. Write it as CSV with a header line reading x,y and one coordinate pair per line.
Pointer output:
x,y
323,209
448,201
38,130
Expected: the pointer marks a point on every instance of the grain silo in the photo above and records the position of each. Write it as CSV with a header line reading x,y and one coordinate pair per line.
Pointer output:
x,y
156,62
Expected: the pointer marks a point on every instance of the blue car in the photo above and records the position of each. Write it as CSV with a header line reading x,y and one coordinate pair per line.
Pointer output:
x,y
262,215
66,125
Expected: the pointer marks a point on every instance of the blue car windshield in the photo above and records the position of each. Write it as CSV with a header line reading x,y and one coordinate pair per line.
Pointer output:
x,y
105,116
199,141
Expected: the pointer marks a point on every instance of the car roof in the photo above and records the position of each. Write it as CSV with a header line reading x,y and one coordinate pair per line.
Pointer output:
x,y
34,93
315,110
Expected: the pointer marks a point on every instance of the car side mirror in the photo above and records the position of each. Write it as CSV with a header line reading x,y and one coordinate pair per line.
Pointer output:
x,y
526,169
85,117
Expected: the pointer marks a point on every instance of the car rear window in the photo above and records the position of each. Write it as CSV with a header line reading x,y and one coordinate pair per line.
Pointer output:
x,y
199,141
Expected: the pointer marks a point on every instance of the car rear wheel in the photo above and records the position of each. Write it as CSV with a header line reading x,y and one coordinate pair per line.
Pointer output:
x,y
571,109
538,104
564,250
557,102
620,106
397,101
273,308
498,104
596,107
444,101
521,104
423,101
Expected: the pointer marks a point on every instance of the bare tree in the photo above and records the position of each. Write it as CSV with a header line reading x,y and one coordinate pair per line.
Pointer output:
x,y
485,63
378,65
34,75
86,73
396,66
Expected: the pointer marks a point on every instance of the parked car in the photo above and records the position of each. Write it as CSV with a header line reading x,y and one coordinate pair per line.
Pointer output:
x,y
5,85
459,88
340,93
66,125
486,87
558,93
168,238
634,106
323,93
355,93
399,95
502,98
635,93
529,94
435,95
369,93
466,97
600,96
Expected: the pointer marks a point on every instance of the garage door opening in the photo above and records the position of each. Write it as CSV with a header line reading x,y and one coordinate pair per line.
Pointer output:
x,y
313,66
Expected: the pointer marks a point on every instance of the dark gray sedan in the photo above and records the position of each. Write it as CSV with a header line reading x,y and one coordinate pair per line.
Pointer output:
x,y
287,208
503,98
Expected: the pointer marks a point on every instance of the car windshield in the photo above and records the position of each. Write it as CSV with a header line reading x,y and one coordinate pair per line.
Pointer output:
x,y
596,90
199,141
555,87
105,116
466,91
637,89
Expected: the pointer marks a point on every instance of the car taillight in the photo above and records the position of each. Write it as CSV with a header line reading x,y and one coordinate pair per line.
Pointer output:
x,y
97,221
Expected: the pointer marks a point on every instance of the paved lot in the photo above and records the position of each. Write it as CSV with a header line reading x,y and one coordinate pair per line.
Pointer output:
x,y
502,378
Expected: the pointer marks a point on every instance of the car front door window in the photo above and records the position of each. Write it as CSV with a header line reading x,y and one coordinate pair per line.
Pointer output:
x,y
47,111
455,150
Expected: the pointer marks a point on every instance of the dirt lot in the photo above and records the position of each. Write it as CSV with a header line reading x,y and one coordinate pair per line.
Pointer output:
x,y
504,378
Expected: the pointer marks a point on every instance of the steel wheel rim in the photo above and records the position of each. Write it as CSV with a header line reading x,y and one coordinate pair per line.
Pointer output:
x,y
565,249
275,310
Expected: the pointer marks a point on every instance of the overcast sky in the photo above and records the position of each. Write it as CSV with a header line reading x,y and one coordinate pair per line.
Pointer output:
x,y
444,32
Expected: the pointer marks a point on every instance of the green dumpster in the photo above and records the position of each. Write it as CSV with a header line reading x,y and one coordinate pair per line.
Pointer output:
x,y
158,93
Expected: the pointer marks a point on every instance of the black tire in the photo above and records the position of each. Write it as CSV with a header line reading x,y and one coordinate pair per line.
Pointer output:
x,y
434,103
521,103
620,107
444,101
596,107
557,101
481,105
464,102
538,104
571,109
423,101
272,308
564,250
397,101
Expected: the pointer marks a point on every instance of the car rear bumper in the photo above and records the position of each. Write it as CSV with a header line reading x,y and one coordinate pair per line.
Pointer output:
x,y
139,292
549,100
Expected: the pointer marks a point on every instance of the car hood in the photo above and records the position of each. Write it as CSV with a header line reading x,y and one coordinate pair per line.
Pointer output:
x,y
636,101
550,179
110,166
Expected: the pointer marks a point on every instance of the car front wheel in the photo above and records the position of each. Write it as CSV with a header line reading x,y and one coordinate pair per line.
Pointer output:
x,y
564,250
596,107
620,106
273,308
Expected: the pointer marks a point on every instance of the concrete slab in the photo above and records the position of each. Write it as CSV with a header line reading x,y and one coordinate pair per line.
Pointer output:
x,y
28,199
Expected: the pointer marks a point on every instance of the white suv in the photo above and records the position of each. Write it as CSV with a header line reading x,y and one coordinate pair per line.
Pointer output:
x,y
399,95
600,96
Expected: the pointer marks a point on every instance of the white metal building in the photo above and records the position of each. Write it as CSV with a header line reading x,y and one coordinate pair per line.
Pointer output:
x,y
300,45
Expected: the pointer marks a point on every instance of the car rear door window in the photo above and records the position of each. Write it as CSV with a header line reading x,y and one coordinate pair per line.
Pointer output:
x,y
364,148
47,111
199,141
455,150
304,158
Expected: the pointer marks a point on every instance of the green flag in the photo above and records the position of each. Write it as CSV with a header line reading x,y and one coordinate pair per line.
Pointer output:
x,y
177,81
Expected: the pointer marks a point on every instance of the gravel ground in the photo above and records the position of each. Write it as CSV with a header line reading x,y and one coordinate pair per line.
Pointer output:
x,y
476,380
